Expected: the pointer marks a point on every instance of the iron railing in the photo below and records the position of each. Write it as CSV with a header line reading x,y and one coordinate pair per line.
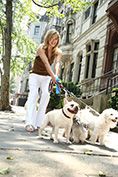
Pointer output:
x,y
94,86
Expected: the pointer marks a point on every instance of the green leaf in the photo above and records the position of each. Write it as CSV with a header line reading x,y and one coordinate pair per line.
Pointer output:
x,y
88,152
9,158
4,171
101,174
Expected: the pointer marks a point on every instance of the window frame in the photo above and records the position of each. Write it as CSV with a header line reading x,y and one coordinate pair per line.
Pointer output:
x,y
36,29
91,60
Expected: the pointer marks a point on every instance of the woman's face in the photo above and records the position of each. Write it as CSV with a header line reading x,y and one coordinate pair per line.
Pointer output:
x,y
54,40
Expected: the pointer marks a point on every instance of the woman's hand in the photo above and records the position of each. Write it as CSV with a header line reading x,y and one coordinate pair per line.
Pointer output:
x,y
54,79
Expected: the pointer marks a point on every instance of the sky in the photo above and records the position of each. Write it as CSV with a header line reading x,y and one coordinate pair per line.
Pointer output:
x,y
37,9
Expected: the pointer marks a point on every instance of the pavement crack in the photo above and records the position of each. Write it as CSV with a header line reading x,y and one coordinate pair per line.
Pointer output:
x,y
56,151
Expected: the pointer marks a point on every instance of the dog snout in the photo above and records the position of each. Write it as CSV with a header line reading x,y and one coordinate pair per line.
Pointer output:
x,y
116,118
76,108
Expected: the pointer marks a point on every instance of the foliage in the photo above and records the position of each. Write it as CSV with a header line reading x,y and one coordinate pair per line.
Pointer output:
x,y
75,89
23,48
15,17
56,100
12,85
26,51
63,5
113,101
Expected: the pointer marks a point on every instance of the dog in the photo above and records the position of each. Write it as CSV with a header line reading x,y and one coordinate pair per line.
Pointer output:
x,y
86,117
60,118
79,132
107,120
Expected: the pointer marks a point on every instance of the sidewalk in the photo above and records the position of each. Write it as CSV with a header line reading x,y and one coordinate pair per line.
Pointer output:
x,y
24,155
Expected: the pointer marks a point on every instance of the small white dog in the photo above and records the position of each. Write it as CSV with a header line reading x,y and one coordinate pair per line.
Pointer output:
x,y
87,118
98,125
79,132
60,118
108,119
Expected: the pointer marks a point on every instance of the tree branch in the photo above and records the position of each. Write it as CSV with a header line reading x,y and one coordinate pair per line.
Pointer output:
x,y
43,6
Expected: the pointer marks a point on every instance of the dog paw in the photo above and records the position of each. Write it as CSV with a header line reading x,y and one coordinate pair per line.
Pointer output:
x,y
68,142
92,142
102,143
55,141
76,142
40,136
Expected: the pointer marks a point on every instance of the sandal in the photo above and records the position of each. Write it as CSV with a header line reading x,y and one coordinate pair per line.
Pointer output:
x,y
29,128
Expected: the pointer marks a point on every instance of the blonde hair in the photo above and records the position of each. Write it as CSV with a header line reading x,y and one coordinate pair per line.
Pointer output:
x,y
49,34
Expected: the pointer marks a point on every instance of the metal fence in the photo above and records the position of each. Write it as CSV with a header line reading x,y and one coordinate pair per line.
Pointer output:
x,y
104,83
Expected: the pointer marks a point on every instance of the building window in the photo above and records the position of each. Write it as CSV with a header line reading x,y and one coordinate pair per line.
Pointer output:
x,y
91,59
87,13
36,30
71,71
69,31
87,66
115,60
62,74
101,1
26,86
30,66
95,12
79,66
95,57
58,21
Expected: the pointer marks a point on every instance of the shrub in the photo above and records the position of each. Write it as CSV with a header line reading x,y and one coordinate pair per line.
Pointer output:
x,y
72,88
113,101
56,100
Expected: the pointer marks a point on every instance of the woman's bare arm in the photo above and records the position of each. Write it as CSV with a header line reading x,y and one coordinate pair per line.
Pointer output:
x,y
57,62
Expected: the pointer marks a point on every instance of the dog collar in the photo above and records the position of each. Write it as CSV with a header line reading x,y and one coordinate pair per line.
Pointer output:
x,y
65,114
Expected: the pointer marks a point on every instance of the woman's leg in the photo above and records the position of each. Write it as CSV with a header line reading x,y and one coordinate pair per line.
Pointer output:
x,y
32,100
44,99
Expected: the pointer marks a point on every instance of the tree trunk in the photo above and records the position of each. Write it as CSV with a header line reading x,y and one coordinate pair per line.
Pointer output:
x,y
6,58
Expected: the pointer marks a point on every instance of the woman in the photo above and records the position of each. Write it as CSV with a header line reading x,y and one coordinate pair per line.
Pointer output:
x,y
39,79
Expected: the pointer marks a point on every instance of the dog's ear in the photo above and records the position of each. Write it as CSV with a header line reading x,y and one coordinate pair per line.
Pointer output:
x,y
65,101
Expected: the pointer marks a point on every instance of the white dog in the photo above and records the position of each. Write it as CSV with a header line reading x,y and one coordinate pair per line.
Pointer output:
x,y
107,119
87,118
79,132
61,118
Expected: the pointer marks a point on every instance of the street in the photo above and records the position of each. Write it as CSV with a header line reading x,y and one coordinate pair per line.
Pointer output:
x,y
25,155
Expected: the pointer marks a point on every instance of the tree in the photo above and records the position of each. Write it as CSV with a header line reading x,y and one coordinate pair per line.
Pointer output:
x,y
12,35
53,6
7,56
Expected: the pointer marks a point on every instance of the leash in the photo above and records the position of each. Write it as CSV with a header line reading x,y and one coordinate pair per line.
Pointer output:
x,y
60,86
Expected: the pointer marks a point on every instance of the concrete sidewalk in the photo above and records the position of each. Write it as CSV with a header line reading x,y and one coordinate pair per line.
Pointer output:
x,y
24,155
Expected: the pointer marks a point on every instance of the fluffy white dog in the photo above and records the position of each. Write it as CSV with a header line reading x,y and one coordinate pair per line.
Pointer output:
x,y
86,117
108,119
60,118
79,132
98,125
